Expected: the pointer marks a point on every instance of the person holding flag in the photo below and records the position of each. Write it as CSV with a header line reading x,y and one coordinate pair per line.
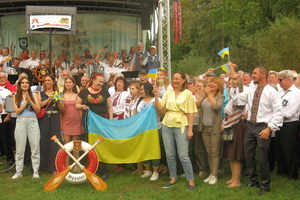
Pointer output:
x,y
96,98
147,95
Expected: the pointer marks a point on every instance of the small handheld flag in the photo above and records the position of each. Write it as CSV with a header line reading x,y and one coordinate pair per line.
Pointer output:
x,y
224,52
225,68
152,73
57,97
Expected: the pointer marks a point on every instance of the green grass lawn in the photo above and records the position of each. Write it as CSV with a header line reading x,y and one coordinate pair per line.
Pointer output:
x,y
123,185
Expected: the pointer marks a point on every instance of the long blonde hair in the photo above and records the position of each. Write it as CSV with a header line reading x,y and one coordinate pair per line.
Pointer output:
x,y
219,82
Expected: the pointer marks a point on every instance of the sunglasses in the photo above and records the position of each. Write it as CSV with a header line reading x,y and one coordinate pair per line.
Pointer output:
x,y
281,79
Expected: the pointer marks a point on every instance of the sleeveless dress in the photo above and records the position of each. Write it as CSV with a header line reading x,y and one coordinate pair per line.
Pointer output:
x,y
49,125
71,120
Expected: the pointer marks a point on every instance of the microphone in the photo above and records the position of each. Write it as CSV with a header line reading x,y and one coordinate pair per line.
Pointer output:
x,y
106,46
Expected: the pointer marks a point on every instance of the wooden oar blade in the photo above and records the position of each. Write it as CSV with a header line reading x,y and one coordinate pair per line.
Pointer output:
x,y
54,182
96,181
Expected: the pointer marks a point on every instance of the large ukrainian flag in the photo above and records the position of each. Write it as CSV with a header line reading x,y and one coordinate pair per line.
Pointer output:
x,y
130,140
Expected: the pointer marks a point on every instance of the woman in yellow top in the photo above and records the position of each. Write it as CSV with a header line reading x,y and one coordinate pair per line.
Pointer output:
x,y
177,126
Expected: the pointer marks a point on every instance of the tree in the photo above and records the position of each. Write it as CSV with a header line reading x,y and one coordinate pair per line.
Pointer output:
x,y
258,32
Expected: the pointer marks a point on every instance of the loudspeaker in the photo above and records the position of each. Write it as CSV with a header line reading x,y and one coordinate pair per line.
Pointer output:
x,y
145,14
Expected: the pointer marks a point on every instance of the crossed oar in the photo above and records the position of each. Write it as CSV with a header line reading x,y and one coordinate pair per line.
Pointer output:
x,y
97,182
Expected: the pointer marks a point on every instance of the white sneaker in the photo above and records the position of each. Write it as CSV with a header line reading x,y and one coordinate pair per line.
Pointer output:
x,y
154,176
213,180
36,174
146,174
207,179
17,175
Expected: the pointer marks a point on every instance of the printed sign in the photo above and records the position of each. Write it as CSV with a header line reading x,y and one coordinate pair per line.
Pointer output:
x,y
50,21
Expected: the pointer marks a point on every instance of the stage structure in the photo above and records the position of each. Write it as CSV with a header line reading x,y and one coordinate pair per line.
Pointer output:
x,y
164,35
51,20
11,13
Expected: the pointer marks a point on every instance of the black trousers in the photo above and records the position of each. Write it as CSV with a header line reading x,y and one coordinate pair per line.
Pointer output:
x,y
272,154
287,147
251,142
7,139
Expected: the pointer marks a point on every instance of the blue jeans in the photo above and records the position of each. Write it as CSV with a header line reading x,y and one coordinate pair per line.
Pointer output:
x,y
173,138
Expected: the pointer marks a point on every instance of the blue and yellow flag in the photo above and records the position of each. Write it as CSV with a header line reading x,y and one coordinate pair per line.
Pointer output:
x,y
130,140
152,73
224,52
225,68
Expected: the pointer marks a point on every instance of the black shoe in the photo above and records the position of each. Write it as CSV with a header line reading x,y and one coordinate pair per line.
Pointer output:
x,y
10,162
104,176
253,185
262,191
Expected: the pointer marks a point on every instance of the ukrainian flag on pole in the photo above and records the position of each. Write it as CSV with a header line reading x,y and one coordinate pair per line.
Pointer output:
x,y
225,68
130,140
152,73
224,52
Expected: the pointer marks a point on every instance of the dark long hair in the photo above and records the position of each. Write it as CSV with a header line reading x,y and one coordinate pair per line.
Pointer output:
x,y
148,88
18,96
185,84
55,88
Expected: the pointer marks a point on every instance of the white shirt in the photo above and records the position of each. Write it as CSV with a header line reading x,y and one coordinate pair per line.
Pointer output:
x,y
118,100
162,90
65,65
32,63
22,64
108,70
130,107
246,88
43,61
2,58
76,69
290,103
269,109
118,62
3,94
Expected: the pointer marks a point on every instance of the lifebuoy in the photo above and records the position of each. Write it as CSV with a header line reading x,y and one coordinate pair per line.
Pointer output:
x,y
60,162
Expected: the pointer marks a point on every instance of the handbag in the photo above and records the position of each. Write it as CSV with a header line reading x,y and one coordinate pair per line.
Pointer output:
x,y
228,134
42,112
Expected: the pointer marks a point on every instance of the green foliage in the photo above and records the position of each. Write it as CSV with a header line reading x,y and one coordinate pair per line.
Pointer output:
x,y
279,46
258,32
194,65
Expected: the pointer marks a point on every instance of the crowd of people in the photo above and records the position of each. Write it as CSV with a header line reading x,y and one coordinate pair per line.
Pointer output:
x,y
112,63
261,108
